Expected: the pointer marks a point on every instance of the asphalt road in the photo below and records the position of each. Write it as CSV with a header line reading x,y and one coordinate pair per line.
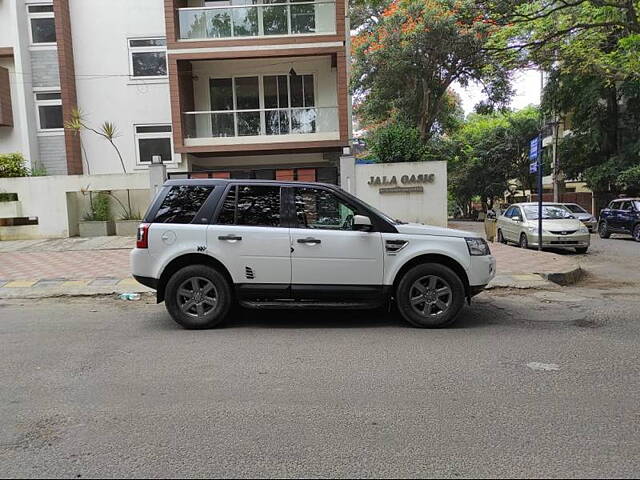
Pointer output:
x,y
107,388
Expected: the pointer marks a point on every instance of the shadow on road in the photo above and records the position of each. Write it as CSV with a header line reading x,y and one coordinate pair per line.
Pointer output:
x,y
469,317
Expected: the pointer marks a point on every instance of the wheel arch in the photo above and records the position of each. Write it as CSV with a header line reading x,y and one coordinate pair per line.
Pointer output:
x,y
434,258
185,260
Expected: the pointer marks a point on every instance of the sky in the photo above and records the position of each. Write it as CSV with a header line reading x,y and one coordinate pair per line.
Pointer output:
x,y
526,84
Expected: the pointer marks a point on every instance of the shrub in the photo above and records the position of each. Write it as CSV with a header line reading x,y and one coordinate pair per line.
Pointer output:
x,y
100,209
397,142
13,165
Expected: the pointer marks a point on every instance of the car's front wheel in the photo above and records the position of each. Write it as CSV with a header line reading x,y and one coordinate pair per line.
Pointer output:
x,y
603,230
501,238
198,297
430,295
636,233
524,241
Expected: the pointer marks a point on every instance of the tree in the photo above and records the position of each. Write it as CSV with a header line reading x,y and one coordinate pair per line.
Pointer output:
x,y
491,151
408,53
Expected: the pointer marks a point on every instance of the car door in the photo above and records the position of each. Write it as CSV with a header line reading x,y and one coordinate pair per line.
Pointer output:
x,y
626,216
329,258
517,224
250,238
504,222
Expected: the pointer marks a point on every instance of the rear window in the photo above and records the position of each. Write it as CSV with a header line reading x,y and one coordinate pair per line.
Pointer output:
x,y
182,203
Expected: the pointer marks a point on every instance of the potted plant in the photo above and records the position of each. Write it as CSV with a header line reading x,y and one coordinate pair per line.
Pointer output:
x,y
97,221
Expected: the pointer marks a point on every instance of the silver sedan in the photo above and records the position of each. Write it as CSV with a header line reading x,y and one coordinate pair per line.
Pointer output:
x,y
560,229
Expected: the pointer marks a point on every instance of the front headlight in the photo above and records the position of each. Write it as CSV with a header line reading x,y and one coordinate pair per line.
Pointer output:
x,y
477,246
583,229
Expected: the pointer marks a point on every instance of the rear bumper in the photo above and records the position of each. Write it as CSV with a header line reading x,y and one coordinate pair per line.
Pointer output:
x,y
147,281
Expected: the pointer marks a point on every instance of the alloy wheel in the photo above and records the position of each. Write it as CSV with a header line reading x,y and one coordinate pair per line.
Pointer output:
x,y
524,243
430,296
197,297
636,233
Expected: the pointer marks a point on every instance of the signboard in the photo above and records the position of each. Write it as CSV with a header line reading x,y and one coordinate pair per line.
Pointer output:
x,y
534,149
533,167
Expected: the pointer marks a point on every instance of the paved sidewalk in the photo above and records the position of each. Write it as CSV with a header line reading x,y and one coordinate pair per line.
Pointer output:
x,y
100,265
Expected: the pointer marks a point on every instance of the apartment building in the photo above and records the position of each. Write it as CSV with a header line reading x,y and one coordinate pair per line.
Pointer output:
x,y
225,88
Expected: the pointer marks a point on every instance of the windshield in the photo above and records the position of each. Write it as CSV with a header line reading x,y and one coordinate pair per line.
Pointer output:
x,y
549,212
575,208
637,204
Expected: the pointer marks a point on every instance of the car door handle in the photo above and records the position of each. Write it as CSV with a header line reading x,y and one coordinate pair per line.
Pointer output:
x,y
309,241
229,237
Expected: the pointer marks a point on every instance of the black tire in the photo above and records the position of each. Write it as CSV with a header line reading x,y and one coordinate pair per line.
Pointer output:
x,y
501,238
203,276
582,249
636,233
603,230
433,318
524,241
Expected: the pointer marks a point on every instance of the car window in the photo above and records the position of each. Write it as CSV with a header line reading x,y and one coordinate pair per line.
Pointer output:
x,y
509,212
615,205
573,208
637,204
625,206
182,203
252,205
320,209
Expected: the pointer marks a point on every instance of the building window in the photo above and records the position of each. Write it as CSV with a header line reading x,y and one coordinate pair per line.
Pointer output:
x,y
153,140
42,24
49,111
285,104
147,57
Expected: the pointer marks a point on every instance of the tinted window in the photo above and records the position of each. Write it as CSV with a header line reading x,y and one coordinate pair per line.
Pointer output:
x,y
43,30
625,206
321,209
182,203
614,205
509,212
256,205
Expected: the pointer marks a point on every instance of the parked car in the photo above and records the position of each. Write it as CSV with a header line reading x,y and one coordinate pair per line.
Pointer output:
x,y
560,229
581,214
205,244
621,216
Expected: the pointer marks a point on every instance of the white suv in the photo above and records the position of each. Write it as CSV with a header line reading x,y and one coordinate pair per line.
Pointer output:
x,y
204,244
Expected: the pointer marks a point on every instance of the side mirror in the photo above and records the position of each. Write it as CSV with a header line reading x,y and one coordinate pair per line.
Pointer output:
x,y
361,223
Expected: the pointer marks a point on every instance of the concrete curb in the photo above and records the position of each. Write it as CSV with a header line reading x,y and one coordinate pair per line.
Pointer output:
x,y
568,277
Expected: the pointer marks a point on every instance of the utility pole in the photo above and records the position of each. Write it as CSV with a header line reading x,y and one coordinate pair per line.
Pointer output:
x,y
555,125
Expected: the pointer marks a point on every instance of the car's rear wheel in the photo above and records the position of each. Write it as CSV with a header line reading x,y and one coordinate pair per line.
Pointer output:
x,y
603,230
636,233
524,241
198,297
501,238
430,295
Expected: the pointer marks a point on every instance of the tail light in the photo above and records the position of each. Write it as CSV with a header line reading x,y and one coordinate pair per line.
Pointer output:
x,y
142,239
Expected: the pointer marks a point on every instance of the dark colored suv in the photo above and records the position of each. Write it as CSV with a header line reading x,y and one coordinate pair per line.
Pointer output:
x,y
621,216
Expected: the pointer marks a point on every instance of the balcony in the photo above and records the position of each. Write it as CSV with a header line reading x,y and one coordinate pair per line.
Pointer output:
x,y
267,125
260,20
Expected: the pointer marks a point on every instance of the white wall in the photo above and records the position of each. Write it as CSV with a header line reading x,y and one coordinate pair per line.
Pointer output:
x,y
428,207
47,199
14,33
105,92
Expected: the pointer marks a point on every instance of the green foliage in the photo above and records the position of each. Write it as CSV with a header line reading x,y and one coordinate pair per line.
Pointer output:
x,y
408,53
396,142
39,171
13,165
488,152
100,209
604,119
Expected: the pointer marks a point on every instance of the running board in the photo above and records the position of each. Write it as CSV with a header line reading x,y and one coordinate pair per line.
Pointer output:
x,y
309,305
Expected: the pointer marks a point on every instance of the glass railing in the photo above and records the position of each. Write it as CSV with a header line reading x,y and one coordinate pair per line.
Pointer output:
x,y
267,121
241,21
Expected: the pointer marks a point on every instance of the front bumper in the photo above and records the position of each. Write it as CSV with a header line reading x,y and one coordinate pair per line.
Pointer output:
x,y
576,240
483,269
590,225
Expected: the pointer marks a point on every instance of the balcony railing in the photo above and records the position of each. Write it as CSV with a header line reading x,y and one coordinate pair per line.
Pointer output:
x,y
242,21
261,122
